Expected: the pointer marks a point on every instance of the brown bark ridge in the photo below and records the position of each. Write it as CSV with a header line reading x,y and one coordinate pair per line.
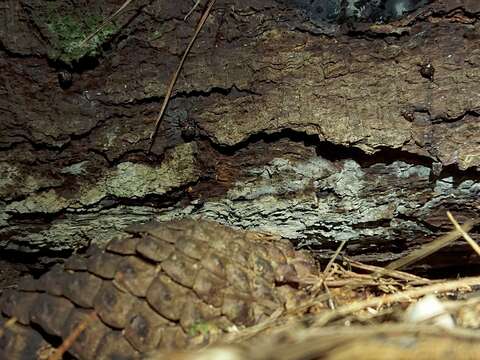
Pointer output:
x,y
315,131
168,285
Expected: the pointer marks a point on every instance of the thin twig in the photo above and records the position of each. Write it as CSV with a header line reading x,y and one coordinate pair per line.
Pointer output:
x,y
331,303
352,283
465,235
325,274
177,72
192,10
106,22
334,257
68,342
431,247
401,275
406,295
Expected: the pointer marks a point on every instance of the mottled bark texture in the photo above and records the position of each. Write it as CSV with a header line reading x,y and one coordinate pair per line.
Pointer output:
x,y
313,130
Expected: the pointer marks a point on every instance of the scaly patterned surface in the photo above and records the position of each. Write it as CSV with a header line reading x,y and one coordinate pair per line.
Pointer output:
x,y
165,285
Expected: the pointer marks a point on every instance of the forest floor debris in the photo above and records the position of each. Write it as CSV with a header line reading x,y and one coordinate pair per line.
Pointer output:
x,y
366,312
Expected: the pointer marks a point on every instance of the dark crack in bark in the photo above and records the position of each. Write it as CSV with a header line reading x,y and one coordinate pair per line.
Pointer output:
x,y
316,132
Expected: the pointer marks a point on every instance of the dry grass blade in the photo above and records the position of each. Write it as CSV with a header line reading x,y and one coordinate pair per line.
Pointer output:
x,y
431,247
334,257
177,72
406,295
325,274
278,320
68,342
106,22
465,235
388,272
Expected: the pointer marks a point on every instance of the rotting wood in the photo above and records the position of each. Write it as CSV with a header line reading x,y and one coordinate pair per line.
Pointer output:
x,y
271,94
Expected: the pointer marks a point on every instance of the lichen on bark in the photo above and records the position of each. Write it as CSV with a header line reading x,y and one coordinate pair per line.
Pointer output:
x,y
318,131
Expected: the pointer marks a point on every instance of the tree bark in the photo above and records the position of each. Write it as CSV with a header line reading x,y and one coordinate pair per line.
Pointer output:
x,y
279,122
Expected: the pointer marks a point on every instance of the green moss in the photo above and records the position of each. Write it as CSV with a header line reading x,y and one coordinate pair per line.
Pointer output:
x,y
68,31
156,35
201,328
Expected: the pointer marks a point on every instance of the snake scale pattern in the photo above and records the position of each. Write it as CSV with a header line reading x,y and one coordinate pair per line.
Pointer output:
x,y
161,286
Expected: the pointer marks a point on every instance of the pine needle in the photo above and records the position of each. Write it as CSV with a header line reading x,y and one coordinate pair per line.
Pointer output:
x,y
106,22
465,235
192,10
406,295
431,247
177,72
68,342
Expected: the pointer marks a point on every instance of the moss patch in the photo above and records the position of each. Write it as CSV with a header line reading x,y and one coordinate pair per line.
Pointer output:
x,y
68,29
202,328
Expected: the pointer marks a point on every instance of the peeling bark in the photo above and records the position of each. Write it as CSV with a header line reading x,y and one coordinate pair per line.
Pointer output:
x,y
279,122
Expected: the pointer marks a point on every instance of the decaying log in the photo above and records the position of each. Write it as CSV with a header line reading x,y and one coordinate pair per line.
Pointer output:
x,y
279,121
